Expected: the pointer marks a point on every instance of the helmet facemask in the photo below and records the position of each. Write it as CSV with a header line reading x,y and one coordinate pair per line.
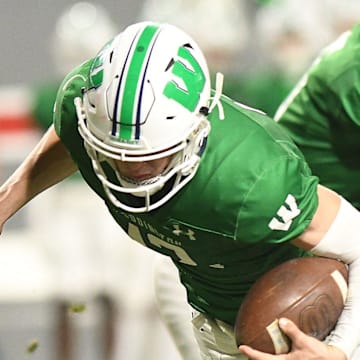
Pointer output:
x,y
157,124
181,168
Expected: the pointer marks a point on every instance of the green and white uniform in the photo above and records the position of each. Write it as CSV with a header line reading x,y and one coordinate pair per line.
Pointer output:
x,y
252,193
322,114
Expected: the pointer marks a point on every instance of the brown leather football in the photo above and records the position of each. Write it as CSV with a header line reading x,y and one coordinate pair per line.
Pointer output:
x,y
310,291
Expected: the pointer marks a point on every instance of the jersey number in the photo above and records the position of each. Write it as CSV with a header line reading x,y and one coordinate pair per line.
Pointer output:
x,y
286,214
184,258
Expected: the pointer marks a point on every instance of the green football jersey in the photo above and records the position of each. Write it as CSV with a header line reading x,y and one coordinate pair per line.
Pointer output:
x,y
322,115
44,95
264,90
252,193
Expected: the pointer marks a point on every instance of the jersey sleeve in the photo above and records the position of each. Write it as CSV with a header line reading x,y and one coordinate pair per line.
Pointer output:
x,y
65,119
64,111
66,124
281,203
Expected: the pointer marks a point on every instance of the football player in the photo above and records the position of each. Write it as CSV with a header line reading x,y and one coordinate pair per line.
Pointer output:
x,y
322,114
218,187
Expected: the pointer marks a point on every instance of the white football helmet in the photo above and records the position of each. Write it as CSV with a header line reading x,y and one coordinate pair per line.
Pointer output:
x,y
147,97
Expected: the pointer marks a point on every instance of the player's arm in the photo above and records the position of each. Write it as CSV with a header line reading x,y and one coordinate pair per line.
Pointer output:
x,y
328,208
47,164
335,232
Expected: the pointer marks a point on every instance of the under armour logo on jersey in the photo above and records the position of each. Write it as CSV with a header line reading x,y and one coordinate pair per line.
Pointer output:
x,y
189,233
217,266
286,215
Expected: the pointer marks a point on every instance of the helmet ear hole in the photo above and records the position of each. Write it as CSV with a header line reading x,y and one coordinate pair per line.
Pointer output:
x,y
91,97
171,63
204,110
111,56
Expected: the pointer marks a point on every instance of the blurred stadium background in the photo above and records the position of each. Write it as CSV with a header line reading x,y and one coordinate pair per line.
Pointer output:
x,y
72,286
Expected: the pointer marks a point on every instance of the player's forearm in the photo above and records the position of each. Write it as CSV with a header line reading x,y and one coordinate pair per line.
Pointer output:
x,y
334,232
342,242
329,204
46,165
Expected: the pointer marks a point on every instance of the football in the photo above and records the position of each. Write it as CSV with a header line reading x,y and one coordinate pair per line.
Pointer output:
x,y
310,291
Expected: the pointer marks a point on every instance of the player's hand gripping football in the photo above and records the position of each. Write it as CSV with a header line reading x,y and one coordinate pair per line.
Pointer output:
x,y
303,347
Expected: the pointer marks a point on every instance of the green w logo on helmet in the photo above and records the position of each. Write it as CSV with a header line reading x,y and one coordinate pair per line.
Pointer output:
x,y
194,81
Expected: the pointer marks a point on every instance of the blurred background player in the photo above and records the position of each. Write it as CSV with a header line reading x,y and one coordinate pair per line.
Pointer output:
x,y
322,114
285,37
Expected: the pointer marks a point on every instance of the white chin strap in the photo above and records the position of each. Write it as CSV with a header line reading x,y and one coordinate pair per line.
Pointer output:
x,y
216,99
128,183
144,190
152,185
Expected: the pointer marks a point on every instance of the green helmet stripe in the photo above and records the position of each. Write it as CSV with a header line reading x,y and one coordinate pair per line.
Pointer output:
x,y
134,76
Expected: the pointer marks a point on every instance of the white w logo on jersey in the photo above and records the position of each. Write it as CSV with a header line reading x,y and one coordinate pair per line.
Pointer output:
x,y
286,214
